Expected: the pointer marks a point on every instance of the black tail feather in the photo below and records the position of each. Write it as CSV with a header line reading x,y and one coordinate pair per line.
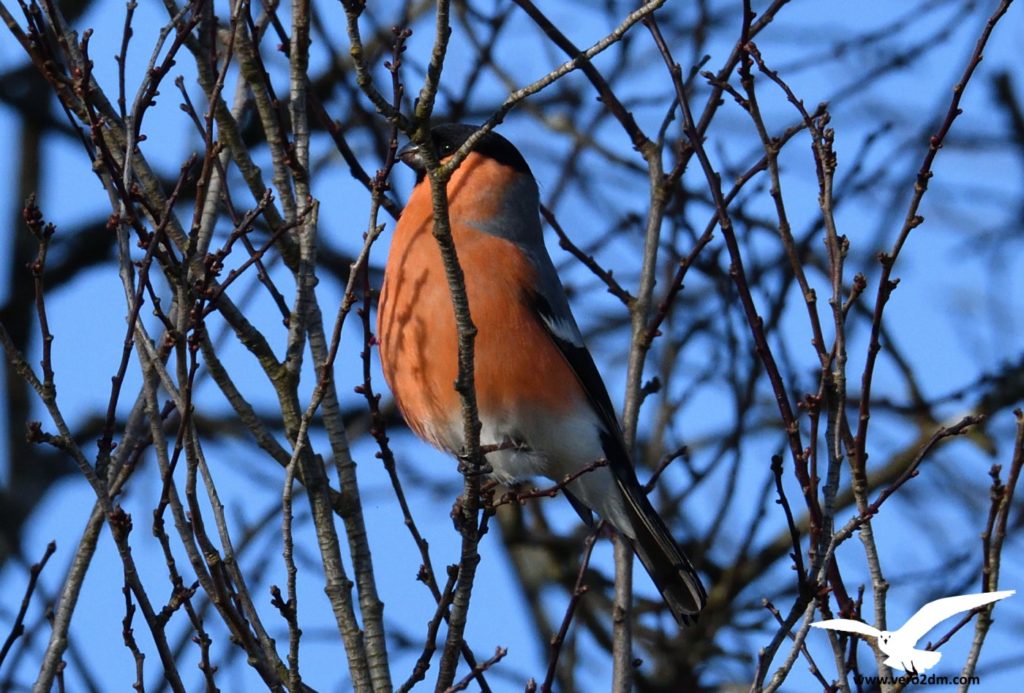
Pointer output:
x,y
670,570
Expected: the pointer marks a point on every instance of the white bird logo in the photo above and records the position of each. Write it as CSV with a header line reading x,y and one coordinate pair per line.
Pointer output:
x,y
899,644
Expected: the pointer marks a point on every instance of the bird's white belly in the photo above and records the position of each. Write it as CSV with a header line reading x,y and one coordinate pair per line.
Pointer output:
x,y
540,444
537,443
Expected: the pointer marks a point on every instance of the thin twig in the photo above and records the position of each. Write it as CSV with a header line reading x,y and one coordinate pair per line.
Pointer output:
x,y
18,627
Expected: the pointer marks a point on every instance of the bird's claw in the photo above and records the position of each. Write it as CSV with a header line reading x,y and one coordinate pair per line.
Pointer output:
x,y
470,467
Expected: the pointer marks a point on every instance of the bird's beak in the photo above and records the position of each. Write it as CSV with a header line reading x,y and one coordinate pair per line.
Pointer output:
x,y
410,156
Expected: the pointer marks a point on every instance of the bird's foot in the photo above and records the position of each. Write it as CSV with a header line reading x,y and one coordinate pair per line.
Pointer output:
x,y
470,465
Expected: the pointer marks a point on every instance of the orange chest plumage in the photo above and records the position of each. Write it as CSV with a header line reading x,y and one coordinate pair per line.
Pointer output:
x,y
517,367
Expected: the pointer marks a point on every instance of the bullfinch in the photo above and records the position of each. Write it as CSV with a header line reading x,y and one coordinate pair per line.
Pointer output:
x,y
542,403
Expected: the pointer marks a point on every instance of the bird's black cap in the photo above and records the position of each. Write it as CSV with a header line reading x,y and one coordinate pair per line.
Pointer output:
x,y
450,136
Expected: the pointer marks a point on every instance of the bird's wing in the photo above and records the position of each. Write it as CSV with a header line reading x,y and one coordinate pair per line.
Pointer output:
x,y
848,626
671,571
932,613
551,306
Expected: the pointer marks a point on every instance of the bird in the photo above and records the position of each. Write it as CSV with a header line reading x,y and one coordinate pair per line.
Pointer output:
x,y
542,405
900,644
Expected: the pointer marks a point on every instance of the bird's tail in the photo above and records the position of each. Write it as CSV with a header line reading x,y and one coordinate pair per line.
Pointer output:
x,y
669,569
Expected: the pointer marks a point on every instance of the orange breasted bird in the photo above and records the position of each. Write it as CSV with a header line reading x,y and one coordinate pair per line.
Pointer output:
x,y
540,397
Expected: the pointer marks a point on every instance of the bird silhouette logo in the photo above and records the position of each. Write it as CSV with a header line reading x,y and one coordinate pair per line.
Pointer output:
x,y
900,644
